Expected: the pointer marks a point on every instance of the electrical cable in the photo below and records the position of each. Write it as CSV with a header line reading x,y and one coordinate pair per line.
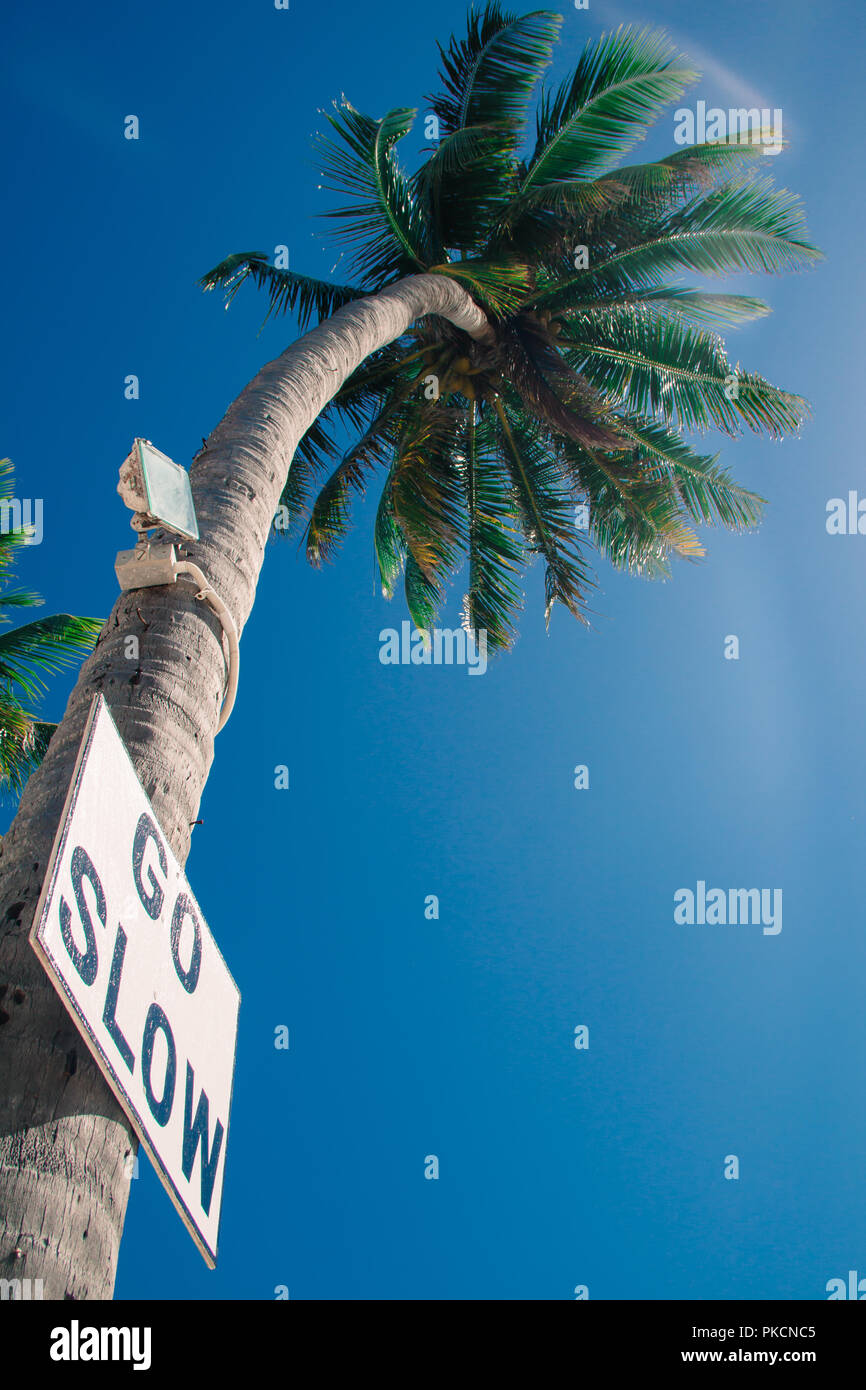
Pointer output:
x,y
215,603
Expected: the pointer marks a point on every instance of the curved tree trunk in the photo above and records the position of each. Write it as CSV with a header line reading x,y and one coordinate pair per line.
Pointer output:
x,y
65,1145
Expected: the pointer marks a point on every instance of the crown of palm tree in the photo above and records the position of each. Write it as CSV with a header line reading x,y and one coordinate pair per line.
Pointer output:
x,y
597,363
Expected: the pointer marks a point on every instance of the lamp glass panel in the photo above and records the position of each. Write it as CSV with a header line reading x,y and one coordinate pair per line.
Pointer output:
x,y
169,495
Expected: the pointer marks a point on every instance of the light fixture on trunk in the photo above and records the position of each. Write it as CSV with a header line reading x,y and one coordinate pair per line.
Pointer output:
x,y
159,494
157,491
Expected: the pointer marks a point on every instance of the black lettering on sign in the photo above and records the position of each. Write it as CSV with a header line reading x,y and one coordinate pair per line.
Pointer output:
x,y
144,831
195,1132
108,1013
86,962
189,977
156,1021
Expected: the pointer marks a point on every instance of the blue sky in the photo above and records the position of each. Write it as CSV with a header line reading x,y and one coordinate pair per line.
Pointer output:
x,y
454,1037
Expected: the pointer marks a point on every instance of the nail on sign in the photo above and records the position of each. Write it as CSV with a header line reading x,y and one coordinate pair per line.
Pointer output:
x,y
130,954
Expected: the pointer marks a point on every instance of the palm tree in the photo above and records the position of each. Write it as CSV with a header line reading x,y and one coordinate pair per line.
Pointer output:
x,y
591,373
558,380
27,653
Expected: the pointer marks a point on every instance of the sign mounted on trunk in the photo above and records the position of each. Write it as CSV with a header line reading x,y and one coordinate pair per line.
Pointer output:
x,y
126,947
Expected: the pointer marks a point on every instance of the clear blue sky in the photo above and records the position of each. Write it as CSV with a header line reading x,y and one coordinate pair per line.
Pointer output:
x,y
454,1037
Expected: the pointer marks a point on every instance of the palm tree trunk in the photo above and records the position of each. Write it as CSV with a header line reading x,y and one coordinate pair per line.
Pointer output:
x,y
65,1145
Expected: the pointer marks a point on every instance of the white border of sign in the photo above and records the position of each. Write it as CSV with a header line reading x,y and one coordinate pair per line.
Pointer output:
x,y
99,707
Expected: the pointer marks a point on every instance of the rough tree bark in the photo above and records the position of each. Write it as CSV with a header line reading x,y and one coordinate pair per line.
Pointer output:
x,y
65,1145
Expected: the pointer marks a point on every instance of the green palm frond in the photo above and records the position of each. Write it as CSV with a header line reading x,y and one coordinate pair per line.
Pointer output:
x,y
547,216
768,221
664,368
382,226
487,79
697,307
424,596
462,186
23,743
545,508
551,389
495,551
422,522
738,227
286,289
768,408
689,306
315,452
488,76
637,519
687,173
707,491
500,289
44,647
18,598
389,542
11,538
641,540
620,86
427,491
331,512
10,542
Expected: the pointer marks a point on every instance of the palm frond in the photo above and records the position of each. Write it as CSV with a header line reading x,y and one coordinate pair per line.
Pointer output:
x,y
389,542
286,289
691,306
462,186
617,210
636,517
664,368
424,595
315,452
707,491
45,646
551,389
331,512
498,288
382,226
488,76
18,598
637,545
427,493
622,83
545,506
495,551
738,227
23,743
550,216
